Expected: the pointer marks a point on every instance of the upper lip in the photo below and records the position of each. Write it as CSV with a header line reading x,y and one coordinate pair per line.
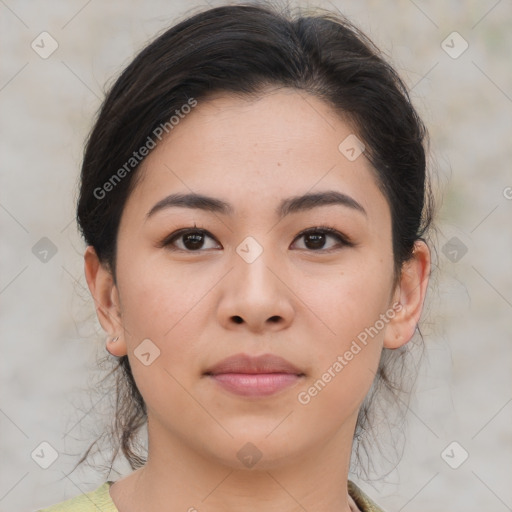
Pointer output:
x,y
244,363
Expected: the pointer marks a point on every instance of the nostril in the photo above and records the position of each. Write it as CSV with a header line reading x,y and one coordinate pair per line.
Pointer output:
x,y
238,319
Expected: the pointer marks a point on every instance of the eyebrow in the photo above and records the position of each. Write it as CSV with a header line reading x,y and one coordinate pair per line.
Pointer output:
x,y
286,207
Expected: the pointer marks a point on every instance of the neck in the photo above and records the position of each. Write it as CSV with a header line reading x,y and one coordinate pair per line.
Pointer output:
x,y
175,474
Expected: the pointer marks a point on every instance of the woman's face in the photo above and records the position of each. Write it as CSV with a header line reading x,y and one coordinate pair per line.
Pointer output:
x,y
253,284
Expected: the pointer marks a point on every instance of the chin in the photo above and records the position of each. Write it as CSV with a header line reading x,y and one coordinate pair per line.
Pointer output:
x,y
255,450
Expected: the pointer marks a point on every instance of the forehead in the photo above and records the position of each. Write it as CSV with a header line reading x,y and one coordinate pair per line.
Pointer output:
x,y
272,121
278,144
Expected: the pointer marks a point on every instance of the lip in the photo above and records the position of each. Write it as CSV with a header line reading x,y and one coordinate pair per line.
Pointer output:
x,y
247,375
244,363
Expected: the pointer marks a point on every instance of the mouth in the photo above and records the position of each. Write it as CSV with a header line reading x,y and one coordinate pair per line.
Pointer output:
x,y
246,375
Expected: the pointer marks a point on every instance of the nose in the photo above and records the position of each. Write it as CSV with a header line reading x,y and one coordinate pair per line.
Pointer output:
x,y
256,296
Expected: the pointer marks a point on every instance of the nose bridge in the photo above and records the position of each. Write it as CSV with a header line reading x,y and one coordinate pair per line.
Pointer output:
x,y
253,294
257,291
252,260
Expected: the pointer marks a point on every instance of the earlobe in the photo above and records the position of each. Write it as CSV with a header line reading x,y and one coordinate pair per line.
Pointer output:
x,y
106,299
410,293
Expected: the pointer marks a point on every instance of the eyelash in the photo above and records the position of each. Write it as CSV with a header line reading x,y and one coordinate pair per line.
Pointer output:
x,y
343,240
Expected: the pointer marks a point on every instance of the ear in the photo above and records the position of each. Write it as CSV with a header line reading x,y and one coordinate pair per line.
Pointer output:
x,y
410,293
106,298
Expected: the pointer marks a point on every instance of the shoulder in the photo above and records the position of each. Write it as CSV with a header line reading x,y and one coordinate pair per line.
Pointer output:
x,y
364,503
99,499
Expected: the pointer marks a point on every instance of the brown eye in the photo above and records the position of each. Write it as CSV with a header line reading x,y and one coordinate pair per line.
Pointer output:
x,y
191,240
316,239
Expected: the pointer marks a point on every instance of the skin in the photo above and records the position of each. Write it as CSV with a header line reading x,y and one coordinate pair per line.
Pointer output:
x,y
252,153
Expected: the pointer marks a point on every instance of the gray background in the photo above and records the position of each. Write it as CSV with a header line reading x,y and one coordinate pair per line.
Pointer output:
x,y
50,338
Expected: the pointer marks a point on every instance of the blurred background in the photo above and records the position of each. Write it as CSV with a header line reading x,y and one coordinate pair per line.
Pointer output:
x,y
57,60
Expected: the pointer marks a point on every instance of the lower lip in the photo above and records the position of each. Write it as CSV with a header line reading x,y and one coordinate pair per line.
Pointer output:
x,y
256,384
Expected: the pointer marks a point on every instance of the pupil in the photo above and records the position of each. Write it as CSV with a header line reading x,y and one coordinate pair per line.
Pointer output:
x,y
195,239
318,240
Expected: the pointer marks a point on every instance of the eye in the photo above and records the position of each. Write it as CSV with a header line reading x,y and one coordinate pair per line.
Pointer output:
x,y
192,240
315,238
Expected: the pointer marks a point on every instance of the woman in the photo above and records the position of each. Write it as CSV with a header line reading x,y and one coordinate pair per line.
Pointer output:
x,y
254,201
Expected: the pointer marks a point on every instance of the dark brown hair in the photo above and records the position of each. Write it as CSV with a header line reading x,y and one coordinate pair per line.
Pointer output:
x,y
241,49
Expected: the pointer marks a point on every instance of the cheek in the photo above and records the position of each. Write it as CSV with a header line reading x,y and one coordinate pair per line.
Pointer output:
x,y
164,305
345,362
351,301
355,308
157,306
156,297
